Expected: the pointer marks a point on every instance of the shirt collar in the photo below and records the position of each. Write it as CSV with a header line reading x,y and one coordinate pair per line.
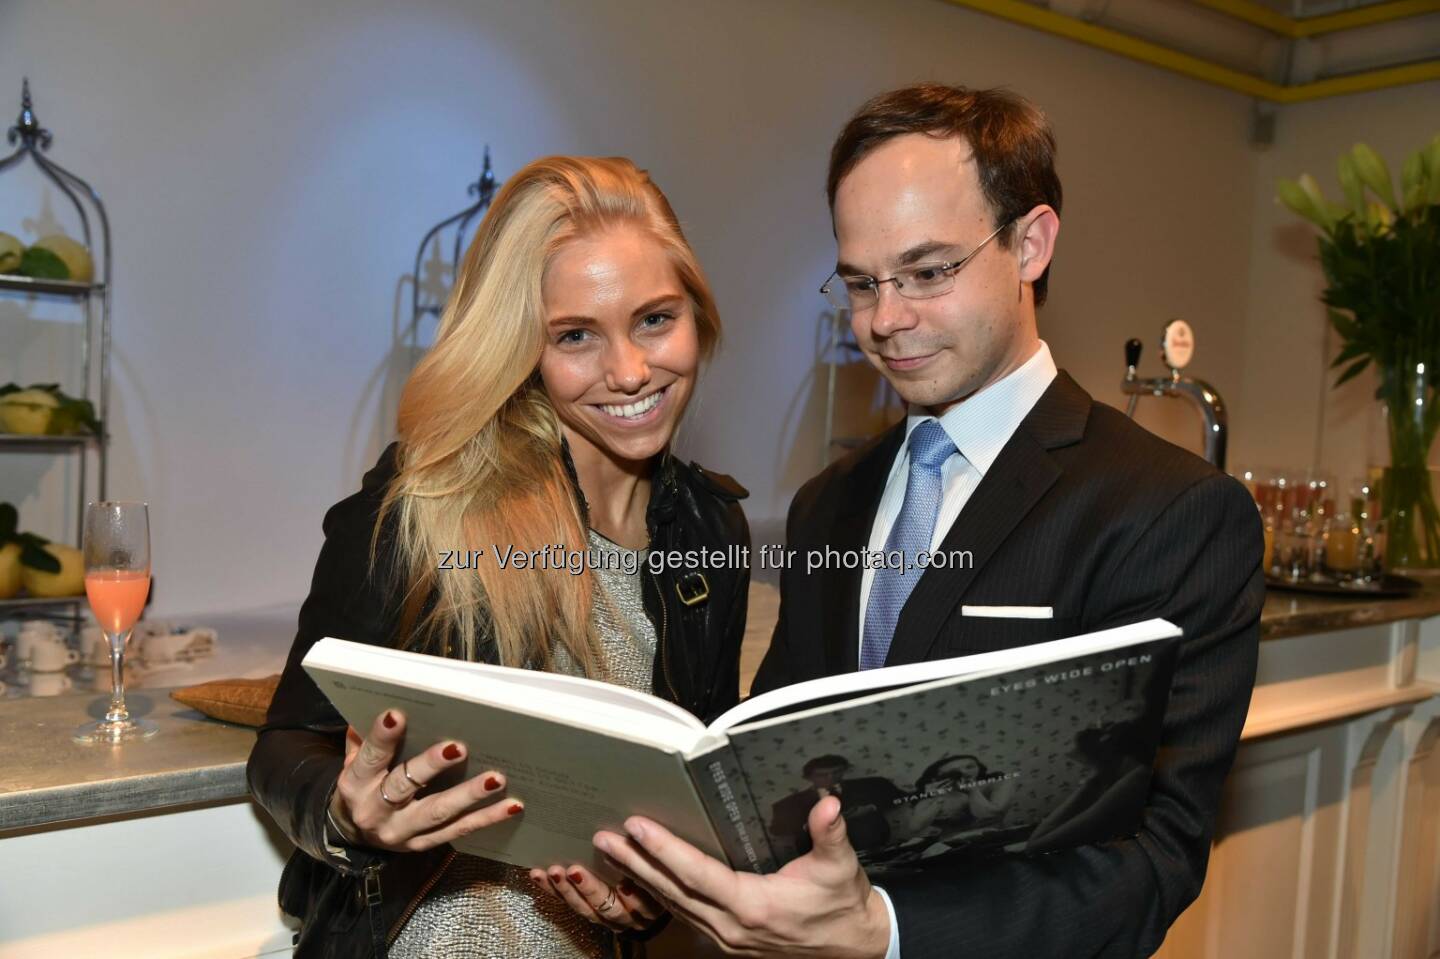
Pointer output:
x,y
983,423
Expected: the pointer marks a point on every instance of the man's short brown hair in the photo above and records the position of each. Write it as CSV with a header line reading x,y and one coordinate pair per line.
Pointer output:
x,y
1011,139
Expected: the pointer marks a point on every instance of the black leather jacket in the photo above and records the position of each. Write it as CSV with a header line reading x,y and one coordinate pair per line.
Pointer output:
x,y
355,905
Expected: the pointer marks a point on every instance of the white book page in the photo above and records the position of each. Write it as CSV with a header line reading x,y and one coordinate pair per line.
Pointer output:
x,y
570,699
859,683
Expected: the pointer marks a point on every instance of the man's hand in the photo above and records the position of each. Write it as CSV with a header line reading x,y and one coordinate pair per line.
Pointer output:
x,y
818,905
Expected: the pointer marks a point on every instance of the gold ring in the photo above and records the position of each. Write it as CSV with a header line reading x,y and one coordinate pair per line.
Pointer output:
x,y
405,771
605,906
393,802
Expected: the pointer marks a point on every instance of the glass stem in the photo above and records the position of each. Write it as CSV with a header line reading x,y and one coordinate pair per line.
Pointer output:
x,y
117,712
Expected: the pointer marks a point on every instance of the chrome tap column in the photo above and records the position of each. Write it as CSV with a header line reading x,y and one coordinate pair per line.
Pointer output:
x,y
1177,345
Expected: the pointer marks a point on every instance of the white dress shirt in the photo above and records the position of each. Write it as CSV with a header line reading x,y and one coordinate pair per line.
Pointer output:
x,y
980,426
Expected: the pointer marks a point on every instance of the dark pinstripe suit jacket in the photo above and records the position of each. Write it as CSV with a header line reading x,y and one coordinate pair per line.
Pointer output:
x,y
1087,513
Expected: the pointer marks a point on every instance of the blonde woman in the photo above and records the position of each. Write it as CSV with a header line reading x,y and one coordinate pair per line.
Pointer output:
x,y
543,415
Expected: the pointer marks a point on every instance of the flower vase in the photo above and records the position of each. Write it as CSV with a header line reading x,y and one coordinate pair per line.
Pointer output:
x,y
1407,493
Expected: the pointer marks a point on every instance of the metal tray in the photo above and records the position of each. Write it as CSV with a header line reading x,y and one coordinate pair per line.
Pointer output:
x,y
1390,585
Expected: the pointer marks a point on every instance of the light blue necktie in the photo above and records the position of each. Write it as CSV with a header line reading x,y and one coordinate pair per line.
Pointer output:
x,y
930,447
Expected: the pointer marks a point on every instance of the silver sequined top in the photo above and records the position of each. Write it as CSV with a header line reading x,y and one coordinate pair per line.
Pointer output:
x,y
482,909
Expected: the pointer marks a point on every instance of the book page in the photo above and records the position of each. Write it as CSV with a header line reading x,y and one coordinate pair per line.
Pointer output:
x,y
829,689
569,697
574,777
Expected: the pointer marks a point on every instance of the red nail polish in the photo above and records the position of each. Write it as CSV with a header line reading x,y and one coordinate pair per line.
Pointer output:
x,y
451,751
389,720
576,877
492,783
515,809
627,887
555,877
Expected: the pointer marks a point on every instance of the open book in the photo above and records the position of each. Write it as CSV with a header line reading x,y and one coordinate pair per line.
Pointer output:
x,y
1037,747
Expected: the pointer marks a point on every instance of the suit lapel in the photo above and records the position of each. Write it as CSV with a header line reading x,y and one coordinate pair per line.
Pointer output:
x,y
859,500
1015,482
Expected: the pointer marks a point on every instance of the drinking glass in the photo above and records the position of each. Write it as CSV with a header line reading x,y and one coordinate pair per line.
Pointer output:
x,y
1343,537
1372,551
1295,545
117,581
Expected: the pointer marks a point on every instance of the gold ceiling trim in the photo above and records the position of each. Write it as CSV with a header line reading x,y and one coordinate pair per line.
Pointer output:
x,y
1295,28
1145,51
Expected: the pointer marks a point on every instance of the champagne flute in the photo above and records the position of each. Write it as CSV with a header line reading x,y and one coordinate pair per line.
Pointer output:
x,y
117,581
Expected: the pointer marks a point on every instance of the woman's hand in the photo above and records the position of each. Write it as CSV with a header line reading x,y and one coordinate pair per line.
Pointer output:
x,y
622,908
375,805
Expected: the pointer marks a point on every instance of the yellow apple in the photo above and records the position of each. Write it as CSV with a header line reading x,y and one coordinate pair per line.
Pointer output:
x,y
27,412
10,250
72,253
9,570
70,581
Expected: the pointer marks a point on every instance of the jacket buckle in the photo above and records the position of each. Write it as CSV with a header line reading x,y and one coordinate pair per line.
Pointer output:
x,y
690,592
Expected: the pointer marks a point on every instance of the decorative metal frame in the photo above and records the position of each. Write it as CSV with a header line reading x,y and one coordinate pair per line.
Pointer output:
x,y
34,141
421,304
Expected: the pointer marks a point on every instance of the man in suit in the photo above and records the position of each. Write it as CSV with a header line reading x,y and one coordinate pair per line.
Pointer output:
x,y
946,210
863,803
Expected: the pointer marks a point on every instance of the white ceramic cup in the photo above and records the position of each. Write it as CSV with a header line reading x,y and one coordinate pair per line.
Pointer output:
x,y
51,656
178,646
162,648
49,684
202,642
149,627
32,631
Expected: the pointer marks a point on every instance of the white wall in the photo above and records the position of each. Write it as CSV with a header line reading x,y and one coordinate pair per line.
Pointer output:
x,y
270,168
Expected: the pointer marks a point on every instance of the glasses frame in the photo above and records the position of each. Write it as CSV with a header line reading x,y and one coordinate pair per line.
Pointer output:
x,y
949,268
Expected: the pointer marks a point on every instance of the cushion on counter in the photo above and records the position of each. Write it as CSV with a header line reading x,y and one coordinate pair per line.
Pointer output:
x,y
243,701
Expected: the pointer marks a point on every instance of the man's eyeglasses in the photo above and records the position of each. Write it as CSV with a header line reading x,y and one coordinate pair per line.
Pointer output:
x,y
860,293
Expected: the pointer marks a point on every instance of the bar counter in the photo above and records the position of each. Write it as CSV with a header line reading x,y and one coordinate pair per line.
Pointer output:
x,y
48,779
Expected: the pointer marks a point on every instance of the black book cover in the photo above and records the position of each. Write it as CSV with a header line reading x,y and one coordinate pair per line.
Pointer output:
x,y
1037,758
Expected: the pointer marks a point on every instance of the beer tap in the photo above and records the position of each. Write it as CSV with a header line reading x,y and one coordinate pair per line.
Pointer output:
x,y
1177,346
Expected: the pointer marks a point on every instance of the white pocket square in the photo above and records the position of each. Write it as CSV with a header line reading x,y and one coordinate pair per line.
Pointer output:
x,y
1009,612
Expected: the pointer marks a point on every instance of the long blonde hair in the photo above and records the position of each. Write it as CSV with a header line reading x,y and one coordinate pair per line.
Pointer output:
x,y
480,459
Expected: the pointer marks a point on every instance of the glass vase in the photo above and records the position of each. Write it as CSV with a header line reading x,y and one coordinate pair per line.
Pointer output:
x,y
1407,489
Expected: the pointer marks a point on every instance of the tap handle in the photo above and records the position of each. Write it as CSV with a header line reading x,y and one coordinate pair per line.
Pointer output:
x,y
1132,352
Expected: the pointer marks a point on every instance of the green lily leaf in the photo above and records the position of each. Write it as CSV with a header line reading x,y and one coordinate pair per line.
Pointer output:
x,y
9,520
1355,370
40,264
1355,349
73,417
38,559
